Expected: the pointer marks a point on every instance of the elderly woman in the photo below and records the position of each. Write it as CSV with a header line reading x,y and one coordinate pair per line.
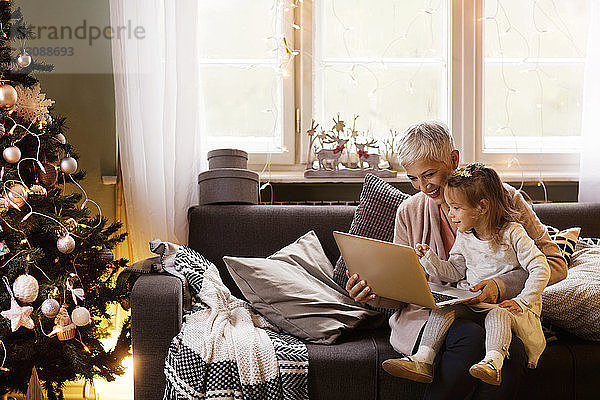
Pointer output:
x,y
428,155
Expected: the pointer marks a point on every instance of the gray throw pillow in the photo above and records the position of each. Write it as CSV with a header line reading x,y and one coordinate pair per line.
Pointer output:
x,y
573,304
294,290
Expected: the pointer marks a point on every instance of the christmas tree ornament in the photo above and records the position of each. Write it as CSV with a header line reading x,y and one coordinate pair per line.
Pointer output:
x,y
4,248
61,138
81,316
12,154
63,326
16,195
65,244
106,255
18,316
24,60
68,165
25,288
31,102
49,175
50,308
34,389
8,96
37,190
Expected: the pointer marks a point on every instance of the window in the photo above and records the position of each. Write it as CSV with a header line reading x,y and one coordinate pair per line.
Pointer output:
x,y
532,59
247,80
506,75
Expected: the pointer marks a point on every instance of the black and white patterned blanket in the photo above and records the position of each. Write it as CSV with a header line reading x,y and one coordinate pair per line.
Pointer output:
x,y
225,350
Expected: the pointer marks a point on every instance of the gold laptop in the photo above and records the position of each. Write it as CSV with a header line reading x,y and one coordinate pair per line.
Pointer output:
x,y
393,271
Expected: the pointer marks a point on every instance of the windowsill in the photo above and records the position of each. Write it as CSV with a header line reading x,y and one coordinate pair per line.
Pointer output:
x,y
526,177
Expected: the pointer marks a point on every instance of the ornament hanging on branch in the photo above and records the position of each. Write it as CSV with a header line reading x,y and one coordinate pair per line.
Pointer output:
x,y
64,327
16,195
3,249
68,165
31,102
61,138
24,60
12,154
48,176
26,288
8,96
50,308
18,316
81,316
65,244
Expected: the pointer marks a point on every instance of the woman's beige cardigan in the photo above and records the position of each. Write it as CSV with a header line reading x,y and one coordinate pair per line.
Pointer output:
x,y
418,221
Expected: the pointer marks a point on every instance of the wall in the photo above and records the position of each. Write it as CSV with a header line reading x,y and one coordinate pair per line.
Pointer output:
x,y
81,84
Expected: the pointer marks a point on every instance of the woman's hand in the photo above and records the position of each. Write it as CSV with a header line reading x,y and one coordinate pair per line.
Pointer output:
x,y
511,306
489,292
359,290
421,249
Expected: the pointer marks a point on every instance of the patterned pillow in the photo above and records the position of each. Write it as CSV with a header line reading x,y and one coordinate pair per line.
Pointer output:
x,y
374,216
566,241
573,304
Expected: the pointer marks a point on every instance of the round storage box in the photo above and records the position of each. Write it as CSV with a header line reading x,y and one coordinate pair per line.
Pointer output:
x,y
228,186
227,158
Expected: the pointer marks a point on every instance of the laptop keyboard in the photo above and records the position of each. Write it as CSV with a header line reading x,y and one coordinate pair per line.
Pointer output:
x,y
439,297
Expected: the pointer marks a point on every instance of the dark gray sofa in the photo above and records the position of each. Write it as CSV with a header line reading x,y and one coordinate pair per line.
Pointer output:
x,y
349,369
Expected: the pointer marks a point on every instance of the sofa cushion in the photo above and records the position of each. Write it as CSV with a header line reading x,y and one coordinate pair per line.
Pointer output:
x,y
573,304
294,289
374,217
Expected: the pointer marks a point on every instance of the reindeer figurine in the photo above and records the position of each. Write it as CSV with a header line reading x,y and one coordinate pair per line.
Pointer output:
x,y
372,160
331,155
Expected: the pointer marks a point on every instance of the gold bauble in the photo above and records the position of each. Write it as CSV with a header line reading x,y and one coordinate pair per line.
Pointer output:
x,y
8,96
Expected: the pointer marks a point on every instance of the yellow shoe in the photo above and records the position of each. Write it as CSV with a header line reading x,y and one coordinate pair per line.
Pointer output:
x,y
406,368
487,372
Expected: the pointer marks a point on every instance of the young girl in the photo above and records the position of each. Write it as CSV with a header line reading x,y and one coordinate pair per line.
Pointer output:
x,y
488,243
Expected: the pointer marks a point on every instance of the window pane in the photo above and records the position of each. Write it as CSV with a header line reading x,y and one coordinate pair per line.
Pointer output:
x,y
241,102
384,98
237,28
244,69
517,27
382,28
533,74
385,61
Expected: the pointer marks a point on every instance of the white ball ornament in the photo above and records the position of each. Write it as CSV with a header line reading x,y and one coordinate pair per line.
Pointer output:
x,y
61,138
68,165
50,308
65,244
81,316
12,154
24,60
25,288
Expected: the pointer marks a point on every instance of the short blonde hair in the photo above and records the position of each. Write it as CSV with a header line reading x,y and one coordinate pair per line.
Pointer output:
x,y
429,140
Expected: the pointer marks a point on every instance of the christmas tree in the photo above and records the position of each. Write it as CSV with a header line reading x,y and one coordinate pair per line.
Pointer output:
x,y
57,268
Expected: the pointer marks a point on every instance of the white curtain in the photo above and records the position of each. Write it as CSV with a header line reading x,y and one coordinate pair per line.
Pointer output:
x,y
589,176
159,115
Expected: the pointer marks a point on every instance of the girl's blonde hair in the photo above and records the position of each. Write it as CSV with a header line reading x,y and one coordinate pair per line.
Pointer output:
x,y
429,140
477,182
